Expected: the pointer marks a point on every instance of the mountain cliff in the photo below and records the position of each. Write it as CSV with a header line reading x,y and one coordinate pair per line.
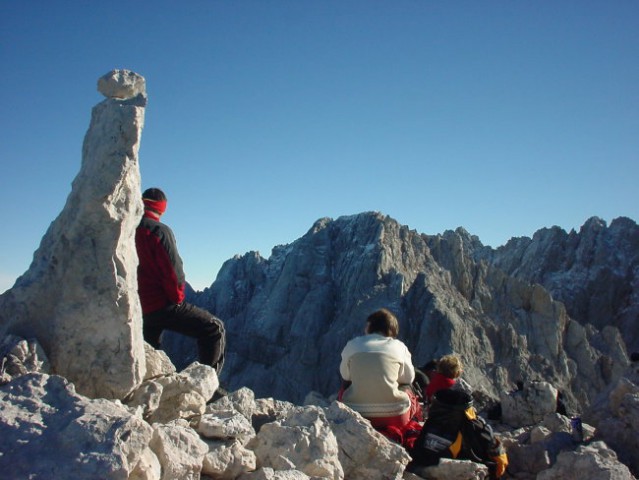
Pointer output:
x,y
593,272
289,316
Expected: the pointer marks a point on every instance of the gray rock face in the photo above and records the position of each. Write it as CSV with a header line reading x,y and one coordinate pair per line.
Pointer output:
x,y
588,461
48,431
593,272
19,357
530,405
293,313
79,297
615,414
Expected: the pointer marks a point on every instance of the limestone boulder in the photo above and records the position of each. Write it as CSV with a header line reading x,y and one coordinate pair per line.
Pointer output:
x,y
121,84
615,415
47,430
79,297
227,459
148,468
457,469
241,400
302,441
267,473
528,459
364,453
588,462
158,363
179,449
19,357
268,410
530,405
179,395
225,425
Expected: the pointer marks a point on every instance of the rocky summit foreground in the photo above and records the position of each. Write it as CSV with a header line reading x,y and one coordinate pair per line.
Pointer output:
x,y
165,429
82,396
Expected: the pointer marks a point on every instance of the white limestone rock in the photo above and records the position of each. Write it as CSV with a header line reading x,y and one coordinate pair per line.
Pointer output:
x,y
158,363
226,424
176,404
148,468
147,397
201,379
302,441
267,410
589,462
19,356
364,453
79,297
530,405
267,473
121,84
447,469
227,460
241,400
47,430
539,434
178,395
555,422
179,450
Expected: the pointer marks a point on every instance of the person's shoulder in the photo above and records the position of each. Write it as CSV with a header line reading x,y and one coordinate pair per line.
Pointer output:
x,y
357,340
398,343
157,228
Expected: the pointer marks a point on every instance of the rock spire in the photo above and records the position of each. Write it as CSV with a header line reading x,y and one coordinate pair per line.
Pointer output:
x,y
79,296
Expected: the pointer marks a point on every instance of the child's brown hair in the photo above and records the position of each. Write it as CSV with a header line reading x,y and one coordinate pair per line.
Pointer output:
x,y
450,366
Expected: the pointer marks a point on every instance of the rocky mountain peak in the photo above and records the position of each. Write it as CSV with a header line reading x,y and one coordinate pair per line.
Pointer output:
x,y
293,312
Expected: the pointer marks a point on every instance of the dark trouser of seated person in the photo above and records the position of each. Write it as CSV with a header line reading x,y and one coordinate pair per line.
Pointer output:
x,y
376,364
191,321
161,283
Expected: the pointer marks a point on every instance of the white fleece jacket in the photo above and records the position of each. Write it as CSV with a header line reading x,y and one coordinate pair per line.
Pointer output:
x,y
376,366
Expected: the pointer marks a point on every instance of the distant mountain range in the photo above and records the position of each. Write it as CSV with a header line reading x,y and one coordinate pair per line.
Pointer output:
x,y
559,306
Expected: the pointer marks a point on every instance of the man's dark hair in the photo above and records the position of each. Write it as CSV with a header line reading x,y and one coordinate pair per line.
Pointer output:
x,y
154,194
384,323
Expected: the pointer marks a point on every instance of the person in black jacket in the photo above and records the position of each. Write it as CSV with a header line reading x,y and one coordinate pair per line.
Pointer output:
x,y
161,284
454,430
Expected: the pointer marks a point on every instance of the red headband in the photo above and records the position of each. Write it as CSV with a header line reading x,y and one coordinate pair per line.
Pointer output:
x,y
156,205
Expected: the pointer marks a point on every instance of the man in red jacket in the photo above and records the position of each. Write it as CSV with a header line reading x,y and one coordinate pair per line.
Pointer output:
x,y
161,285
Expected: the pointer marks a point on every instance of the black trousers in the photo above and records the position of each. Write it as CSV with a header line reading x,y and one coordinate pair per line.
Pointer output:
x,y
194,322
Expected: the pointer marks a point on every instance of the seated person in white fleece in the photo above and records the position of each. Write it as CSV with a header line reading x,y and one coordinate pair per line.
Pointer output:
x,y
378,370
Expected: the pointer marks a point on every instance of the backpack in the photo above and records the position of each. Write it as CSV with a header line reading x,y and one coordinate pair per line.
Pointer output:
x,y
453,430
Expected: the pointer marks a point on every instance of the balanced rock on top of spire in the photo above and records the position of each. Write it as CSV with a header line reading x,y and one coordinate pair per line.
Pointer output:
x,y
121,84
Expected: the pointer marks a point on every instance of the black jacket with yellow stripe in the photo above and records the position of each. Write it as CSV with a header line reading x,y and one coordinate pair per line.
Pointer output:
x,y
454,430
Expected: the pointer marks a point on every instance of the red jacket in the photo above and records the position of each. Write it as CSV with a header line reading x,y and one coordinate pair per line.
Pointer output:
x,y
438,382
160,273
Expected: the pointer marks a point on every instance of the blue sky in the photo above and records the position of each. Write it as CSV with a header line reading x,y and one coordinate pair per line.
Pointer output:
x,y
503,117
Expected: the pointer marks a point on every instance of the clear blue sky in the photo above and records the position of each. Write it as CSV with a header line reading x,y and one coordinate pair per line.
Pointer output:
x,y
502,117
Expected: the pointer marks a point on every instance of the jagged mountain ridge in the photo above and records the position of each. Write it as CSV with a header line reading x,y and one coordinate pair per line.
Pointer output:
x,y
594,272
289,316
